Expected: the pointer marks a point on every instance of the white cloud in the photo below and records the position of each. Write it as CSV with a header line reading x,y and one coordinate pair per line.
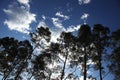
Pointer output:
x,y
55,32
43,17
73,28
42,24
85,17
57,22
59,14
19,17
57,29
84,1
25,2
60,28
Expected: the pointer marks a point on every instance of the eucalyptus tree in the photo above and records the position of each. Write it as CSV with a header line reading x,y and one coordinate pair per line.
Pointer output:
x,y
40,40
83,42
101,42
68,42
14,55
25,51
114,66
8,52
61,53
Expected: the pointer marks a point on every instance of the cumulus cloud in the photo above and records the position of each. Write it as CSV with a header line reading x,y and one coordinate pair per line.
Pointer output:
x,y
85,17
84,1
65,17
19,16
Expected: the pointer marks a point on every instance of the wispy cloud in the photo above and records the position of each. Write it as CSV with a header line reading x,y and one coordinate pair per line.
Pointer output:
x,y
57,29
84,17
57,22
43,17
60,28
25,2
65,17
42,24
73,28
19,16
84,1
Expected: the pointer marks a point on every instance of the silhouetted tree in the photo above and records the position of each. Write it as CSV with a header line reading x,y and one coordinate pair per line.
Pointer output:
x,y
84,41
13,57
43,59
40,39
114,66
68,42
100,41
8,52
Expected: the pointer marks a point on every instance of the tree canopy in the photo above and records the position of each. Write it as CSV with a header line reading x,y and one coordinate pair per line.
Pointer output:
x,y
71,57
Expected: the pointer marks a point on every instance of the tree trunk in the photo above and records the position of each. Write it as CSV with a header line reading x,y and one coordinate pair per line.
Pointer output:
x,y
19,72
5,77
85,64
100,66
62,74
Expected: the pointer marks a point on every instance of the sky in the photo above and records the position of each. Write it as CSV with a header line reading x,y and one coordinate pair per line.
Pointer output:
x,y
20,17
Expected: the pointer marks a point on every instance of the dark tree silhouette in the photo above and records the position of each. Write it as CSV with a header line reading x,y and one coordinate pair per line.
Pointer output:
x,y
100,41
44,58
84,40
114,67
13,57
8,53
39,40
68,42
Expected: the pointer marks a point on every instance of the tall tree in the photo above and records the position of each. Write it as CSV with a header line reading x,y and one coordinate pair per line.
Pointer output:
x,y
68,42
114,66
100,41
40,40
13,57
7,55
84,41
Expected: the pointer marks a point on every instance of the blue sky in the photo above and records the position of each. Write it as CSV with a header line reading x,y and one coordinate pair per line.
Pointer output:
x,y
19,17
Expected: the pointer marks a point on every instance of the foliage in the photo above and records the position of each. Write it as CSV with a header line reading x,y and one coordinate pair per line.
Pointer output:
x,y
71,54
13,56
114,66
